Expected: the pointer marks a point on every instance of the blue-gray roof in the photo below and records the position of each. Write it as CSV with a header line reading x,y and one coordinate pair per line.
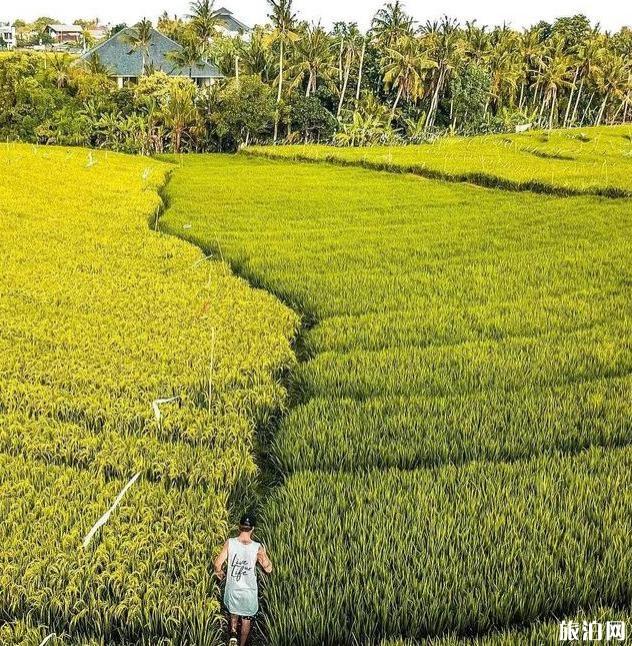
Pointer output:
x,y
230,22
120,59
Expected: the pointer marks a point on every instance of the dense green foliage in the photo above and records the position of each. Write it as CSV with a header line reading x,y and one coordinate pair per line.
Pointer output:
x,y
399,82
53,99
99,318
592,160
475,331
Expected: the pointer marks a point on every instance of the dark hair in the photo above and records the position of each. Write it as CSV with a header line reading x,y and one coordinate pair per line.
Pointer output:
x,y
247,523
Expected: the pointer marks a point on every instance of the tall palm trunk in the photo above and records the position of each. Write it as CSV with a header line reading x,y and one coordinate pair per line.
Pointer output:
x,y
359,85
602,109
400,91
344,85
279,94
587,110
570,98
579,94
342,46
435,100
553,102
613,118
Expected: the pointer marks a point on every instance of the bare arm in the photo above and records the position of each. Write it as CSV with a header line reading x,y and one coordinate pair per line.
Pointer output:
x,y
263,560
220,560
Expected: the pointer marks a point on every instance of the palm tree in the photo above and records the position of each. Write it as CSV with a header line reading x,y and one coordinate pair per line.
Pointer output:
x,y
314,54
611,80
530,54
588,55
505,64
190,56
553,76
352,46
405,68
139,39
204,20
478,45
283,20
179,115
445,46
390,24
60,65
255,55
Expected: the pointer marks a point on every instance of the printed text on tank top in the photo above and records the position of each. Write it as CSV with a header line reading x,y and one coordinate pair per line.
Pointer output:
x,y
239,568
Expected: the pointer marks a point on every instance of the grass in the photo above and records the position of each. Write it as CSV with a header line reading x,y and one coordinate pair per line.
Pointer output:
x,y
100,317
594,160
456,459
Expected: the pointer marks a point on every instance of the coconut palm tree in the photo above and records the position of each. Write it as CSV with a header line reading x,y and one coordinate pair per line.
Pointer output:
x,y
314,59
445,46
390,24
588,56
477,46
505,66
611,80
139,39
351,47
255,55
191,55
552,76
405,67
531,53
60,67
283,23
204,20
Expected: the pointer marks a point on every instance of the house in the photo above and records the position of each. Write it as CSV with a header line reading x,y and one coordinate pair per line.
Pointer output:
x,y
8,38
99,32
229,25
65,34
125,63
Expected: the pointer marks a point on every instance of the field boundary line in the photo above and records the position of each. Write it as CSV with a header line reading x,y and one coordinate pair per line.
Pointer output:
x,y
483,180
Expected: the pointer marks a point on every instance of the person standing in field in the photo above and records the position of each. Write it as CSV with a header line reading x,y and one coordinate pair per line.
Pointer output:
x,y
241,595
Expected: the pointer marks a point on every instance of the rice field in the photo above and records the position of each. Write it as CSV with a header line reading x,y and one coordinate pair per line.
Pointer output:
x,y
456,459
594,160
122,351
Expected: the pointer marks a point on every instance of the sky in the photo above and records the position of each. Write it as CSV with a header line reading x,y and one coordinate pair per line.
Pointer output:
x,y
611,14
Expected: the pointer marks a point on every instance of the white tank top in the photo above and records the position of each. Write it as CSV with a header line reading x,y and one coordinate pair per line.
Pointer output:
x,y
242,565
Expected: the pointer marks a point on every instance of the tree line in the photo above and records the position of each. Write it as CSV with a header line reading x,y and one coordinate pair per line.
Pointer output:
x,y
292,81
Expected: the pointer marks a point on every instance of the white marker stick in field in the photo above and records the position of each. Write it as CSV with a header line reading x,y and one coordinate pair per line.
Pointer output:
x,y
157,403
104,519
47,639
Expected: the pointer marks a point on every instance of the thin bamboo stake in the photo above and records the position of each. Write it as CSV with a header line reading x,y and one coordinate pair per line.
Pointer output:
x,y
157,403
211,369
104,519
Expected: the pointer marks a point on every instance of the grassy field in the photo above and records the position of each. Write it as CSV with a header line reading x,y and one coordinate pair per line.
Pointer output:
x,y
456,460
587,160
100,317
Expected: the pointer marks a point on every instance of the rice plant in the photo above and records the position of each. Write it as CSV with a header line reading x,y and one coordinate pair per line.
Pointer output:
x,y
564,162
456,461
100,317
